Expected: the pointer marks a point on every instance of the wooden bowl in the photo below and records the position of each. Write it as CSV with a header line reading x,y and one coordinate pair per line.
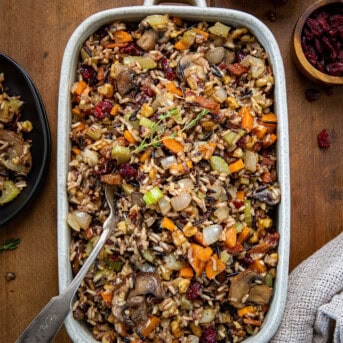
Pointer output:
x,y
298,55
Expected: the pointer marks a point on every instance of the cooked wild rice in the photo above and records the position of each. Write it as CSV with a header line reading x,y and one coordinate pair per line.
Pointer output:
x,y
178,116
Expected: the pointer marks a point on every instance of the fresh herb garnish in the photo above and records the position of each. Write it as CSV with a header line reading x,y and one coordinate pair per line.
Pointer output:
x,y
157,130
10,244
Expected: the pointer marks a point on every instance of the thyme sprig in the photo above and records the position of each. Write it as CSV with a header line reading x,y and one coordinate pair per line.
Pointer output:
x,y
157,130
10,244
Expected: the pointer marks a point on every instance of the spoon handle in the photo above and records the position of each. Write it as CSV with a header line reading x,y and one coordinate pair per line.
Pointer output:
x,y
47,323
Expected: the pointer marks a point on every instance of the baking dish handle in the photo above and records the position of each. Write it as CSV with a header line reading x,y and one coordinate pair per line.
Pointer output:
x,y
199,3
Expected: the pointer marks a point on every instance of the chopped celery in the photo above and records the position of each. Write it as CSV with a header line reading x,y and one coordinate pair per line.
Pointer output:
x,y
247,212
9,192
219,29
94,132
121,153
225,256
153,196
268,280
239,227
115,265
232,137
218,164
158,21
146,122
145,62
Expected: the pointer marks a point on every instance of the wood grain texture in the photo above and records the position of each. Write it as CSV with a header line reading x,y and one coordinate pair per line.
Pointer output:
x,y
35,33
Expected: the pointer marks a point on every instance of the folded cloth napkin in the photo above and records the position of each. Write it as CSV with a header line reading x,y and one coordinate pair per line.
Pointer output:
x,y
314,306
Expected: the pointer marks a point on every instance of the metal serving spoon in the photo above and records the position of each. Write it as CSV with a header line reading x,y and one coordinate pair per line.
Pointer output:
x,y
47,323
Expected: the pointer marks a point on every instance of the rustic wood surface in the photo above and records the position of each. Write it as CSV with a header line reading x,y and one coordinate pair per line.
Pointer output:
x,y
34,33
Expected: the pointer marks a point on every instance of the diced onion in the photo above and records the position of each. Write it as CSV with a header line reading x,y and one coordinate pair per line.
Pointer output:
x,y
250,160
207,316
211,234
164,205
168,161
79,220
219,95
180,202
222,213
172,263
186,184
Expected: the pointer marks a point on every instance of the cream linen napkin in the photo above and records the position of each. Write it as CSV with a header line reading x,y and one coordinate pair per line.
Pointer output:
x,y
314,306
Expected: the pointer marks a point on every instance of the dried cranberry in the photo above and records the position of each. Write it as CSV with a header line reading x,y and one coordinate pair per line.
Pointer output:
x,y
103,109
87,72
312,94
238,203
193,291
323,139
131,49
335,69
168,71
127,171
271,16
209,335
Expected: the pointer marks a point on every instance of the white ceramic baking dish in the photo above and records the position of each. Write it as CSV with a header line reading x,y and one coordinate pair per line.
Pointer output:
x,y
76,330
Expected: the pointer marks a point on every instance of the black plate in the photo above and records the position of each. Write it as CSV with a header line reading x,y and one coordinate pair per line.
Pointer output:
x,y
18,82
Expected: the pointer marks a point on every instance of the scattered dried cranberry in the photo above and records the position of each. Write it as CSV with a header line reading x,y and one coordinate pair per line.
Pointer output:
x,y
103,109
168,71
131,49
312,94
193,291
127,171
271,16
323,139
209,335
238,203
87,72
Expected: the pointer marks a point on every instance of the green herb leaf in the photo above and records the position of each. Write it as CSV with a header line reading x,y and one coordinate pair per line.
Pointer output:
x,y
10,244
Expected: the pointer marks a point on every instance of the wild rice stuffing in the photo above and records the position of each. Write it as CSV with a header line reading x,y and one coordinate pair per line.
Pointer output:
x,y
178,116
15,155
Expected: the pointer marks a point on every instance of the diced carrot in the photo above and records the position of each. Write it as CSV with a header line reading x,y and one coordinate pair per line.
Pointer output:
x,y
231,236
199,238
260,131
258,266
236,166
247,119
181,45
150,325
214,266
186,272
197,264
207,150
128,136
79,87
107,297
172,144
79,127
115,110
243,235
269,140
246,310
121,328
204,254
267,177
269,118
270,127
76,111
168,224
180,168
171,87
122,36
100,74
240,195
251,321
76,151
145,155
201,32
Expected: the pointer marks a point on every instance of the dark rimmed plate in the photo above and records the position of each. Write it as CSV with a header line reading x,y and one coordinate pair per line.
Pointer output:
x,y
18,82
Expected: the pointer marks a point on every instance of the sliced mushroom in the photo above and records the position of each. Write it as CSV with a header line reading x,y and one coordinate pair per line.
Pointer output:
x,y
148,40
135,310
126,81
240,287
119,300
260,294
147,283
271,195
193,69
15,153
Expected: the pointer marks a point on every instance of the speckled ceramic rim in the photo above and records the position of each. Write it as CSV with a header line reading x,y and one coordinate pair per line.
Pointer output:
x,y
77,331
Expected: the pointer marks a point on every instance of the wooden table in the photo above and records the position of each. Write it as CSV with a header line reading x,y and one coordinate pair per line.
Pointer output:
x,y
35,33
